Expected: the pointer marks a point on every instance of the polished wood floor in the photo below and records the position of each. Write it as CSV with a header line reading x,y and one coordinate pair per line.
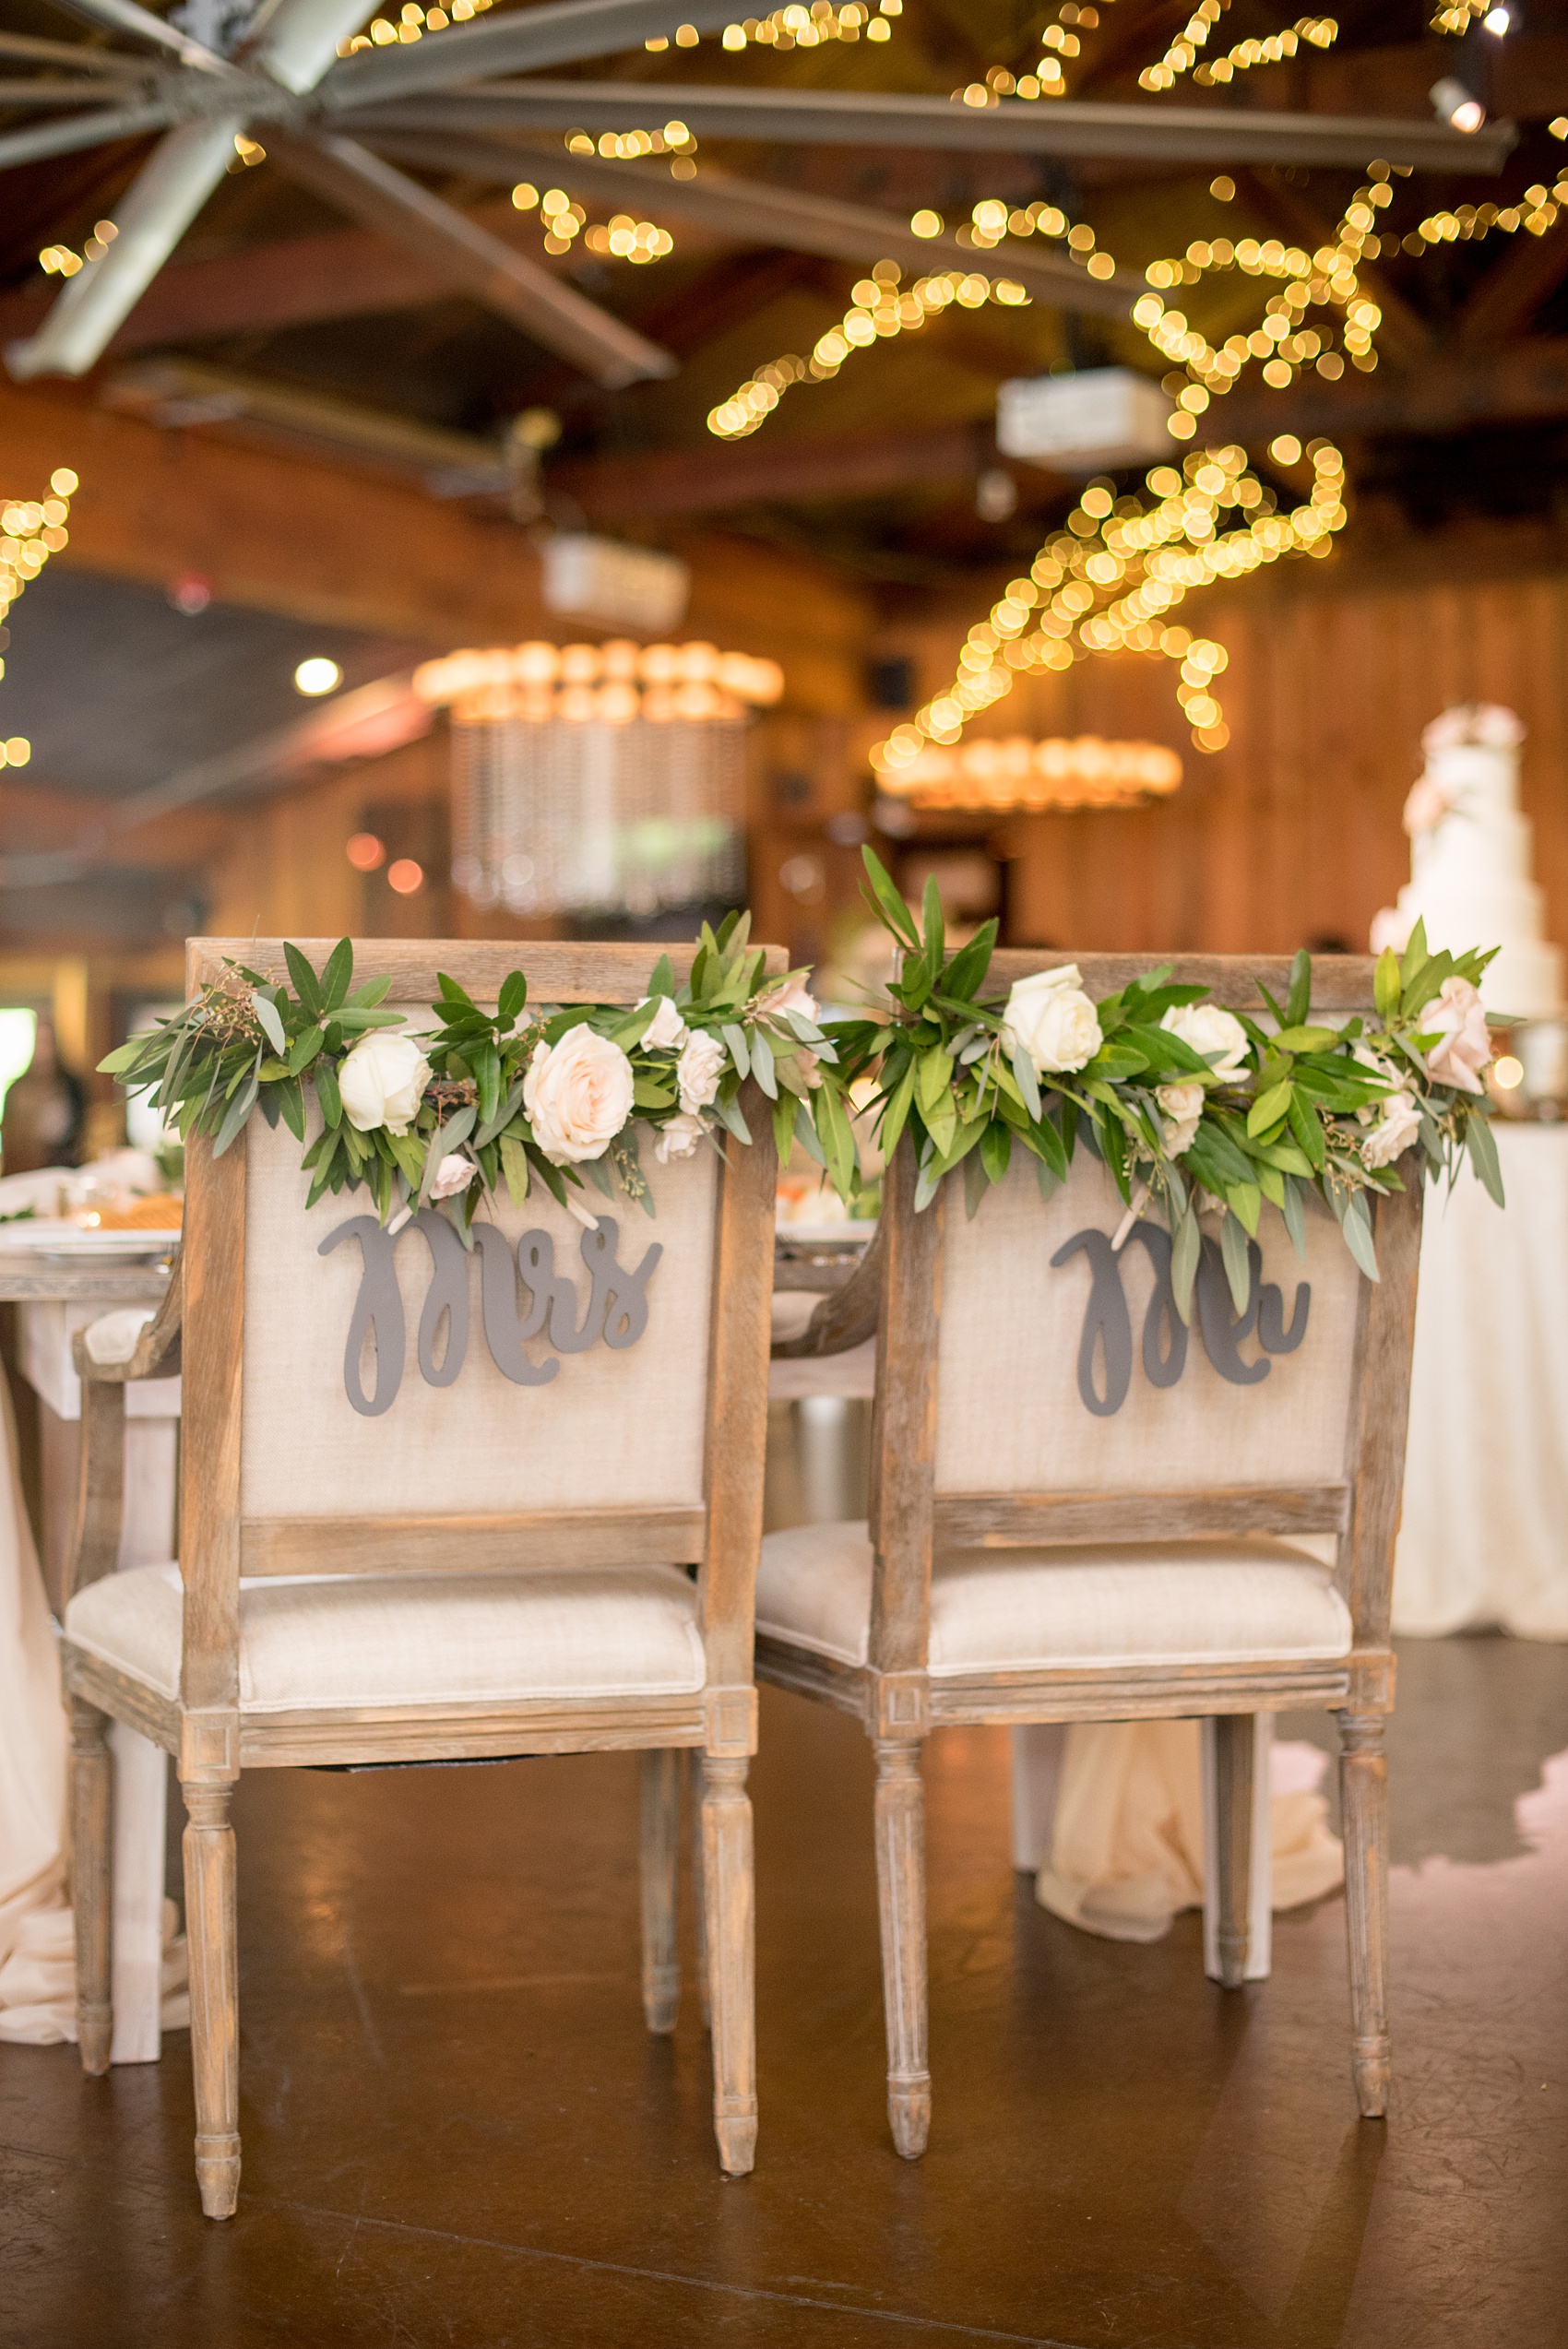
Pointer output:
x,y
457,2135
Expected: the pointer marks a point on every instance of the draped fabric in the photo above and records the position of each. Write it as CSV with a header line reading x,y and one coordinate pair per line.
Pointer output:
x,y
37,1966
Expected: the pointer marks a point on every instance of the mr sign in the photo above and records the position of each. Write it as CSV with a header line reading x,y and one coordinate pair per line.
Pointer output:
x,y
616,1311
1107,1324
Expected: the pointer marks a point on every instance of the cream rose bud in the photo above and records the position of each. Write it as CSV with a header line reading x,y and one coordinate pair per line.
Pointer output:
x,y
1049,1017
382,1082
1218,1036
702,1062
665,1030
577,1095
1394,1133
1184,1108
1463,1048
678,1139
453,1174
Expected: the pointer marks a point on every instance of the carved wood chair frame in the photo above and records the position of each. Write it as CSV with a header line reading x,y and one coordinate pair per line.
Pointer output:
x,y
897,1293
199,1330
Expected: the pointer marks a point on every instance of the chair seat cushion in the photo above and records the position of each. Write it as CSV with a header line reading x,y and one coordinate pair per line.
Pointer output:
x,y
424,1639
1154,1603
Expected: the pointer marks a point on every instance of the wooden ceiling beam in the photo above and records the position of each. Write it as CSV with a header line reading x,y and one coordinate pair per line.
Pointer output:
x,y
285,534
1514,288
764,471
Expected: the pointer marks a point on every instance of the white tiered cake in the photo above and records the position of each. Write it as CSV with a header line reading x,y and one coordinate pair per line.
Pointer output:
x,y
1470,862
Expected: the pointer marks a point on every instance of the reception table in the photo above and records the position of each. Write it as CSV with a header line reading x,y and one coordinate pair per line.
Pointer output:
x,y
37,1961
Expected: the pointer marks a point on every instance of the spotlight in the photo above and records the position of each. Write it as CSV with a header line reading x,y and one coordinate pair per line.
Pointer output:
x,y
317,676
1455,103
1498,20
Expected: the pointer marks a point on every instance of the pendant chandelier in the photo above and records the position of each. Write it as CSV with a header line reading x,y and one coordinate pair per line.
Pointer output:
x,y
599,779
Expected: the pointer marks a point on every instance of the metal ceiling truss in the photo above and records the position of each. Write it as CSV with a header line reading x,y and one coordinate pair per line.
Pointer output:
x,y
287,81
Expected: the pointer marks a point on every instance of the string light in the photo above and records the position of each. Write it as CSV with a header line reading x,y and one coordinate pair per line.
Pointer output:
x,y
30,531
1182,54
807,28
621,237
1110,580
412,24
1082,771
627,145
1458,16
59,261
879,311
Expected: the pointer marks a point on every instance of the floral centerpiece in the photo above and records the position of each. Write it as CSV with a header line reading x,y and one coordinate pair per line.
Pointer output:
x,y
550,1092
1193,1108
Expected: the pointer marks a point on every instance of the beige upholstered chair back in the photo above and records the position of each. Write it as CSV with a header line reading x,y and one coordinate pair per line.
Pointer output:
x,y
362,1402
1063,1367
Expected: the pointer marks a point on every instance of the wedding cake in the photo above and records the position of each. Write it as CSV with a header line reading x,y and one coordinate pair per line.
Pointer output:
x,y
1470,862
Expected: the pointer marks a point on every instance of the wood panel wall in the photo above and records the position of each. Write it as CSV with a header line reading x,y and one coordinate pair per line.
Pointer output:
x,y
1293,831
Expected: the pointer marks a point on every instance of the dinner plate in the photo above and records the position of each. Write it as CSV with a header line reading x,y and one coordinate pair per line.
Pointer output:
x,y
67,1243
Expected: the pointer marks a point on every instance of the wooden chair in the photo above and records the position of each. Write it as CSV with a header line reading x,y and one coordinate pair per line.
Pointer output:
x,y
1076,1515
467,1555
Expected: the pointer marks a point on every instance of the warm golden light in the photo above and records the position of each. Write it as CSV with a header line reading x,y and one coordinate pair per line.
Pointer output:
x,y
1508,1073
364,851
405,876
317,676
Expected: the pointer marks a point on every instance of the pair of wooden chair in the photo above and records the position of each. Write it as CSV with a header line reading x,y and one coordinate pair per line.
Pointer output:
x,y
383,1564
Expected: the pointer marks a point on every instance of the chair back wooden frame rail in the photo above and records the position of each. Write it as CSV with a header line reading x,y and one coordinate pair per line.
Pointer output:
x,y
210,1728
900,1291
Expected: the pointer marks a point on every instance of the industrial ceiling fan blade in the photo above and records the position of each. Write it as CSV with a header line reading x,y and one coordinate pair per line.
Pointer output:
x,y
125,16
102,63
746,211
373,193
150,220
555,34
296,40
1065,127
39,139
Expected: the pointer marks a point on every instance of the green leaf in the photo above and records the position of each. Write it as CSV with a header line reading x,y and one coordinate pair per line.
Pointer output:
x,y
888,903
1305,1039
513,996
514,1167
266,1010
487,1074
1299,1001
305,979
1356,1225
898,1109
291,1101
236,1114
729,1114
976,1183
326,1092
1307,1127
1161,1049
761,1064
735,1037
995,1150
662,981
1185,1247
1415,957
1385,983
1246,1202
935,932
502,1119
1050,1182
1295,1221
1027,1082
1238,1267
1482,1144
337,974
969,966
365,997
443,1142
805,1134
934,1078
783,1127
1269,1107
306,1047
836,1136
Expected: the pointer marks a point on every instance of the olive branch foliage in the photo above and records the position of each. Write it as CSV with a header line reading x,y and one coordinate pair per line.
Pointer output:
x,y
1291,1120
250,1040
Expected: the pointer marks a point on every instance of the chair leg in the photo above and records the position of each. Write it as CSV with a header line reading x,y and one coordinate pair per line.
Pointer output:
x,y
699,1878
900,1884
92,1881
1235,1739
660,1880
211,1927
1363,1796
728,1900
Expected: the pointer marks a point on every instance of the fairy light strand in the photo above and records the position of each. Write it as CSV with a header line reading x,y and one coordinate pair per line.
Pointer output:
x,y
1183,55
31,529
1109,581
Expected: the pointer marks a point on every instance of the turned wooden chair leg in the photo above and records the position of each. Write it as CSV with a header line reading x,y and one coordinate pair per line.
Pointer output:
x,y
1363,1796
211,1927
699,1897
900,1884
728,1900
1235,1739
660,1885
92,1879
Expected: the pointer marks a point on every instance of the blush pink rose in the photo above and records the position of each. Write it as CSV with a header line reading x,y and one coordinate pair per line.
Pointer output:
x,y
1464,1048
577,1095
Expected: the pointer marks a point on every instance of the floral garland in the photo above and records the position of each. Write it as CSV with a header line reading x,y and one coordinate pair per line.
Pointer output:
x,y
1190,1106
448,1115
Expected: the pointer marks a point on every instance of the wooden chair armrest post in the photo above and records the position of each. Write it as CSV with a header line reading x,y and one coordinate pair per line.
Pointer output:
x,y
904,1427
844,1318
94,1548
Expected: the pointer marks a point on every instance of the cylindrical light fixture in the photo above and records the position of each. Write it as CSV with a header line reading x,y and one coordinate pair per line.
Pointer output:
x,y
599,779
1077,771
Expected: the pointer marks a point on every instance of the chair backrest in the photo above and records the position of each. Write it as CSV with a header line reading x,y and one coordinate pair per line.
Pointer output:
x,y
364,1402
1037,1386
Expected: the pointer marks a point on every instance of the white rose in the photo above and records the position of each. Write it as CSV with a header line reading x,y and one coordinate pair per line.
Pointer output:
x,y
1390,928
382,1082
577,1095
702,1062
794,997
1463,1047
1218,1036
1049,1017
1183,1106
678,1139
1394,1133
453,1174
666,1029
